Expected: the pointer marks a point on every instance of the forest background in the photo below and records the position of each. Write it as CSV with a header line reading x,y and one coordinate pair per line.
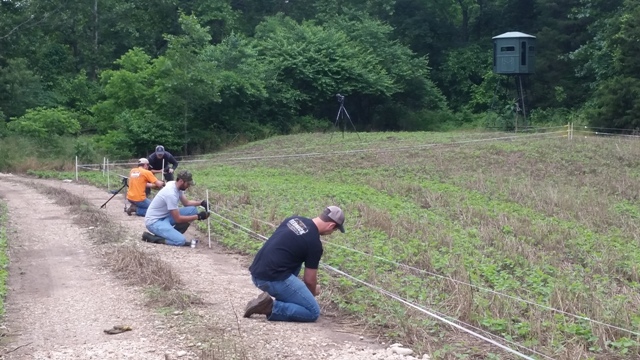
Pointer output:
x,y
116,78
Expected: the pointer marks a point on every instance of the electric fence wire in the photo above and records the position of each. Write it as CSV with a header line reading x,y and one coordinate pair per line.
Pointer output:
x,y
605,128
88,167
487,290
541,128
441,317
607,134
342,152
379,150
212,158
323,146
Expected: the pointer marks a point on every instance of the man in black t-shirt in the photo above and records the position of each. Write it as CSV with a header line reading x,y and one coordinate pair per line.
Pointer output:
x,y
161,158
159,163
276,267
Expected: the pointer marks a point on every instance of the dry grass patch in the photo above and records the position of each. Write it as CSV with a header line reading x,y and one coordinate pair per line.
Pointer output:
x,y
141,268
224,350
171,299
127,261
161,282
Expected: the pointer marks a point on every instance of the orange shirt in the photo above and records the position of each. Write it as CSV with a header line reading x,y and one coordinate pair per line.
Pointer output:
x,y
138,180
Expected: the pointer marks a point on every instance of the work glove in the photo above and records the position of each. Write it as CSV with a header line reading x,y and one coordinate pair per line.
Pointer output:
x,y
205,204
170,170
203,215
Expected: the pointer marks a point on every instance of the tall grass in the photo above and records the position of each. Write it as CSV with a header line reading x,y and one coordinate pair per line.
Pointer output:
x,y
20,154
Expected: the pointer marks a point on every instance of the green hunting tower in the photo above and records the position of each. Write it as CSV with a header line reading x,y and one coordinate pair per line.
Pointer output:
x,y
514,54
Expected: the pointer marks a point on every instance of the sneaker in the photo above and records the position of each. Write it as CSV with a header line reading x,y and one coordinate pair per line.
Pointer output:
x,y
263,304
132,209
194,242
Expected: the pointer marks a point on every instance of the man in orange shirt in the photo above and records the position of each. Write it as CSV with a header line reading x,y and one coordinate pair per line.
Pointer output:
x,y
140,179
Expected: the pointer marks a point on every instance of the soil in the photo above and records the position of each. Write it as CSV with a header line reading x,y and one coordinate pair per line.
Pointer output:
x,y
61,295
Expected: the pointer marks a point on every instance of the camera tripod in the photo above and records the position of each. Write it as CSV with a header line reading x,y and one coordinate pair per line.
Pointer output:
x,y
125,183
340,117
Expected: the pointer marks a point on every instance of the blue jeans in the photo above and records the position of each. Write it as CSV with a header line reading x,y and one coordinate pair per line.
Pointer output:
x,y
294,301
142,206
165,227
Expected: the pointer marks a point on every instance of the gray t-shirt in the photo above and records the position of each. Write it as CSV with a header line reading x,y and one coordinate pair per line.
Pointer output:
x,y
166,199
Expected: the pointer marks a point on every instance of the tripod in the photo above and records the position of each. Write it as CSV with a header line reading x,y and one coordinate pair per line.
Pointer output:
x,y
125,183
341,114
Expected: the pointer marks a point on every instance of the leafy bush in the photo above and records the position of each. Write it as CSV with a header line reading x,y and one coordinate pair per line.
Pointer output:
x,y
43,123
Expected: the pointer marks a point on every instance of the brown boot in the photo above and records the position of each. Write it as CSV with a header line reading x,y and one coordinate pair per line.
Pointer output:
x,y
263,304
132,209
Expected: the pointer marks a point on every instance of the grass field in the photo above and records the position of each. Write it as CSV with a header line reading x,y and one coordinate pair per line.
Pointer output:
x,y
533,239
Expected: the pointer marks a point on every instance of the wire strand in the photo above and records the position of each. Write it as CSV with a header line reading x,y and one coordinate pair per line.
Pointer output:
x,y
529,302
239,227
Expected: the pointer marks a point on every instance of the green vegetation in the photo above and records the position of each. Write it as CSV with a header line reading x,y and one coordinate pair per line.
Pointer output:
x,y
196,76
457,223
4,259
546,220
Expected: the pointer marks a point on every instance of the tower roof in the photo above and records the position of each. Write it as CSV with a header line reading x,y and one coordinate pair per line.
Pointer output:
x,y
513,34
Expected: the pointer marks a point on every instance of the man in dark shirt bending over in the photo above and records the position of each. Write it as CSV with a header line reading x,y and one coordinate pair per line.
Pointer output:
x,y
276,267
161,158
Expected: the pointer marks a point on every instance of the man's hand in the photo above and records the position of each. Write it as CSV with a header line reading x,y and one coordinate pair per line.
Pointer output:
x,y
205,204
170,170
202,215
317,290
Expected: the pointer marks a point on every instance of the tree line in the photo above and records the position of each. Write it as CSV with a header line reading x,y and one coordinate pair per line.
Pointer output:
x,y
193,74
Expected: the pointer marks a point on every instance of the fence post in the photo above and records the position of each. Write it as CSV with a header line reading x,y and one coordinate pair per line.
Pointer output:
x,y
104,162
76,168
208,219
571,131
108,176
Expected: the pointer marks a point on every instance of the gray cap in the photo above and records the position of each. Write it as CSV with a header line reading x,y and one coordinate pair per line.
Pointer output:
x,y
160,150
335,214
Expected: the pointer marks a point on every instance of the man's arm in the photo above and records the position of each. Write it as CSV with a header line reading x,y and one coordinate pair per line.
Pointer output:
x,y
179,219
172,160
185,202
152,181
158,184
310,279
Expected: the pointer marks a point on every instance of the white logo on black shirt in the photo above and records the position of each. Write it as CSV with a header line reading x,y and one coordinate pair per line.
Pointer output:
x,y
297,226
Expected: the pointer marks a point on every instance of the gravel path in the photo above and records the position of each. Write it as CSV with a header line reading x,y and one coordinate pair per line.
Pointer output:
x,y
61,298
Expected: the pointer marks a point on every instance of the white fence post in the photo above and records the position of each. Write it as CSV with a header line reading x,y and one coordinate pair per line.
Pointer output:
x,y
571,131
108,176
208,219
76,168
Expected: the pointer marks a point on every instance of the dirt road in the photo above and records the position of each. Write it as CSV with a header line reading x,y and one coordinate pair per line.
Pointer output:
x,y
61,296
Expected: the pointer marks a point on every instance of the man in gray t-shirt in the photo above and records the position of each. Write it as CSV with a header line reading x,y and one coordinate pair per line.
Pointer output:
x,y
165,219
